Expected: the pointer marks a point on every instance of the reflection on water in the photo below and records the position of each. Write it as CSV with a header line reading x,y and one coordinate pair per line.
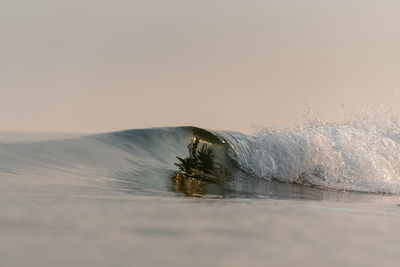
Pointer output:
x,y
187,185
200,162
199,170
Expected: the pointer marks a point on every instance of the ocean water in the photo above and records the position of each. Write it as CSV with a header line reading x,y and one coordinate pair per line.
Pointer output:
x,y
324,194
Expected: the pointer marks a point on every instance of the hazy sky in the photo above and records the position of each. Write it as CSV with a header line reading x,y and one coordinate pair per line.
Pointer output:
x,y
95,65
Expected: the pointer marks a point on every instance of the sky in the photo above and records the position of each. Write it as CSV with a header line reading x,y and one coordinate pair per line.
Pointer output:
x,y
98,66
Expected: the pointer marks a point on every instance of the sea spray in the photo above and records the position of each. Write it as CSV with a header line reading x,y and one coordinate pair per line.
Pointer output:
x,y
362,154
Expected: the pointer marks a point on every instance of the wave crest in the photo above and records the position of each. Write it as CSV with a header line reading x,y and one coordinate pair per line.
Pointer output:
x,y
360,155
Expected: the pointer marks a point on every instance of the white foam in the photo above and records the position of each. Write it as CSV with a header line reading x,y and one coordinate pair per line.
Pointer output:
x,y
361,155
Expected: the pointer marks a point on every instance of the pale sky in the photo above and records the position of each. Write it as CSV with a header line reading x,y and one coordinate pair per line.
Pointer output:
x,y
96,65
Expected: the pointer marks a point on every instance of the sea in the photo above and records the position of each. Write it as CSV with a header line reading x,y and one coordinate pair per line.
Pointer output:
x,y
321,194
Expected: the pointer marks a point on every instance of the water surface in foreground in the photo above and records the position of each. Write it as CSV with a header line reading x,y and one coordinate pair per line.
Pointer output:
x,y
74,229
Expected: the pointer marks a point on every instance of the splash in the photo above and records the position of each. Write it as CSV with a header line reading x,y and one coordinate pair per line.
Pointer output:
x,y
362,154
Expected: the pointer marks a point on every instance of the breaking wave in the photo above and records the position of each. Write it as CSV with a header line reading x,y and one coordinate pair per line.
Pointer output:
x,y
361,155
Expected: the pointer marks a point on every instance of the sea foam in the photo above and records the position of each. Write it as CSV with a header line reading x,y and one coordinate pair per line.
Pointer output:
x,y
362,154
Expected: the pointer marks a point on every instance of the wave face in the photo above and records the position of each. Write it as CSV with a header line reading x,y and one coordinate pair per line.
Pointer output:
x,y
361,155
